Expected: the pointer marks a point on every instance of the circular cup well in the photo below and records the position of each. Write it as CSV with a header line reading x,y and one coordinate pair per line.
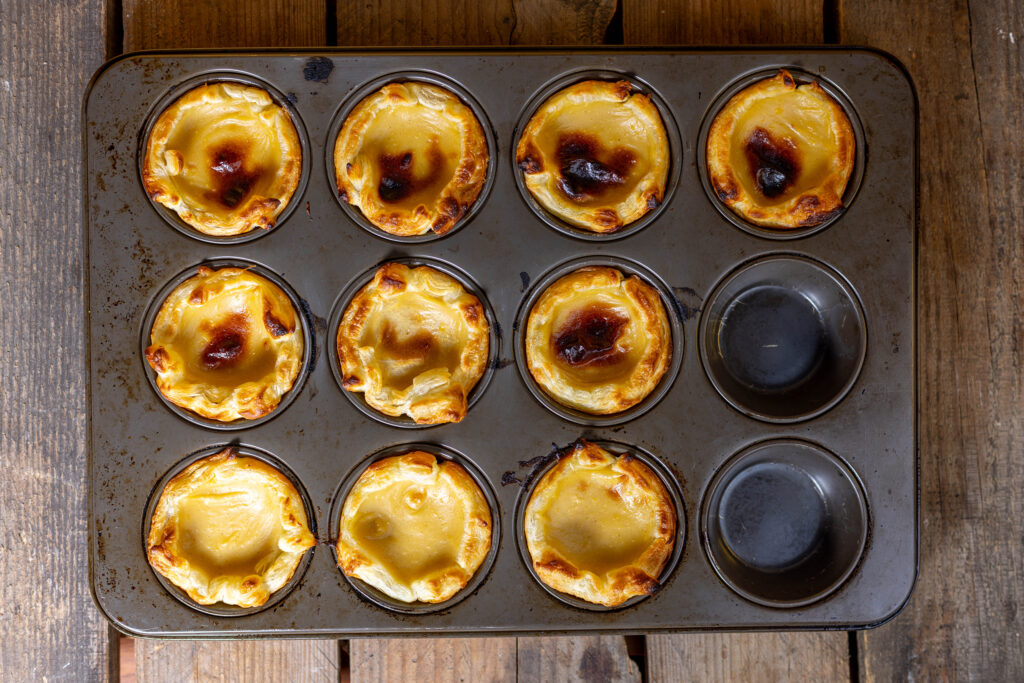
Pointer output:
x,y
221,609
378,597
338,311
784,523
301,312
615,448
671,131
801,76
179,89
783,338
362,92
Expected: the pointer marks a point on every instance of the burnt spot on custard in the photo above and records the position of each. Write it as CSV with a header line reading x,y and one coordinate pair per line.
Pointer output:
x,y
587,170
773,162
275,328
589,337
232,180
396,177
412,347
227,343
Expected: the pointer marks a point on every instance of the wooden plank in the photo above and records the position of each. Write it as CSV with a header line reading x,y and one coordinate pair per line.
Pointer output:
x,y
241,661
229,23
964,620
152,25
722,22
433,659
576,658
454,22
48,624
728,656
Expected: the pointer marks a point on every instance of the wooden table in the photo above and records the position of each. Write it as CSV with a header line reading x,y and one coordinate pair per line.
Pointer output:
x,y
965,618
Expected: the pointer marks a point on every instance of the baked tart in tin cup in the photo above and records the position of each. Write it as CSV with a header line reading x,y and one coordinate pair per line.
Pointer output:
x,y
600,527
229,529
226,344
412,157
595,155
414,342
225,157
598,340
415,527
780,153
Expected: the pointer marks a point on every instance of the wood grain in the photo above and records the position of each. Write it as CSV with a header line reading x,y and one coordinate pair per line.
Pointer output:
x,y
964,621
49,628
433,659
728,656
576,658
454,22
150,25
241,661
722,22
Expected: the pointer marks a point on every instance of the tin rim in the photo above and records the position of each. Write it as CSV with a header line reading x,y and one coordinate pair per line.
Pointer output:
x,y
616,448
628,267
668,121
802,76
368,88
224,610
378,597
181,88
736,464
843,285
341,304
301,314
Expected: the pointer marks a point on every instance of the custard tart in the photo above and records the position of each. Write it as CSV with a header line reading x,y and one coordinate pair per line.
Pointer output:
x,y
415,343
596,155
600,527
780,154
226,344
225,157
229,529
415,527
412,157
598,341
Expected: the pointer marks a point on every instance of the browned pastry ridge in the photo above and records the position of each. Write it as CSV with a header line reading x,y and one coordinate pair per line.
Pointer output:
x,y
598,341
225,157
780,154
600,527
412,157
229,529
415,527
595,155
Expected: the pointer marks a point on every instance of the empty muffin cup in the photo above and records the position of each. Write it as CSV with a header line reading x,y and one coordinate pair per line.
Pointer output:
x,y
783,338
784,523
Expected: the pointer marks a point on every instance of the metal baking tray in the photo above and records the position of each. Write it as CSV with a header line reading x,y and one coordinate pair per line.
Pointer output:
x,y
691,248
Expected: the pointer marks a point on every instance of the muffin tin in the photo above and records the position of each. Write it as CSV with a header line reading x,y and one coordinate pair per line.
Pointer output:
x,y
841,552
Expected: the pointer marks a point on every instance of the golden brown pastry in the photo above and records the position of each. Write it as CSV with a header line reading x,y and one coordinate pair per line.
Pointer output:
x,y
780,154
415,342
596,155
415,527
226,344
225,157
600,527
229,529
598,341
412,157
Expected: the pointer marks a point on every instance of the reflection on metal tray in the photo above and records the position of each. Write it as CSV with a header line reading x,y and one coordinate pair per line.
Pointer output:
x,y
847,452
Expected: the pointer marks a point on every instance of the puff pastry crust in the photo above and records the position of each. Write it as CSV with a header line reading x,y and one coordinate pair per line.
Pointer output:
x,y
598,341
415,527
600,527
412,157
226,344
596,155
780,154
225,157
229,529
415,342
